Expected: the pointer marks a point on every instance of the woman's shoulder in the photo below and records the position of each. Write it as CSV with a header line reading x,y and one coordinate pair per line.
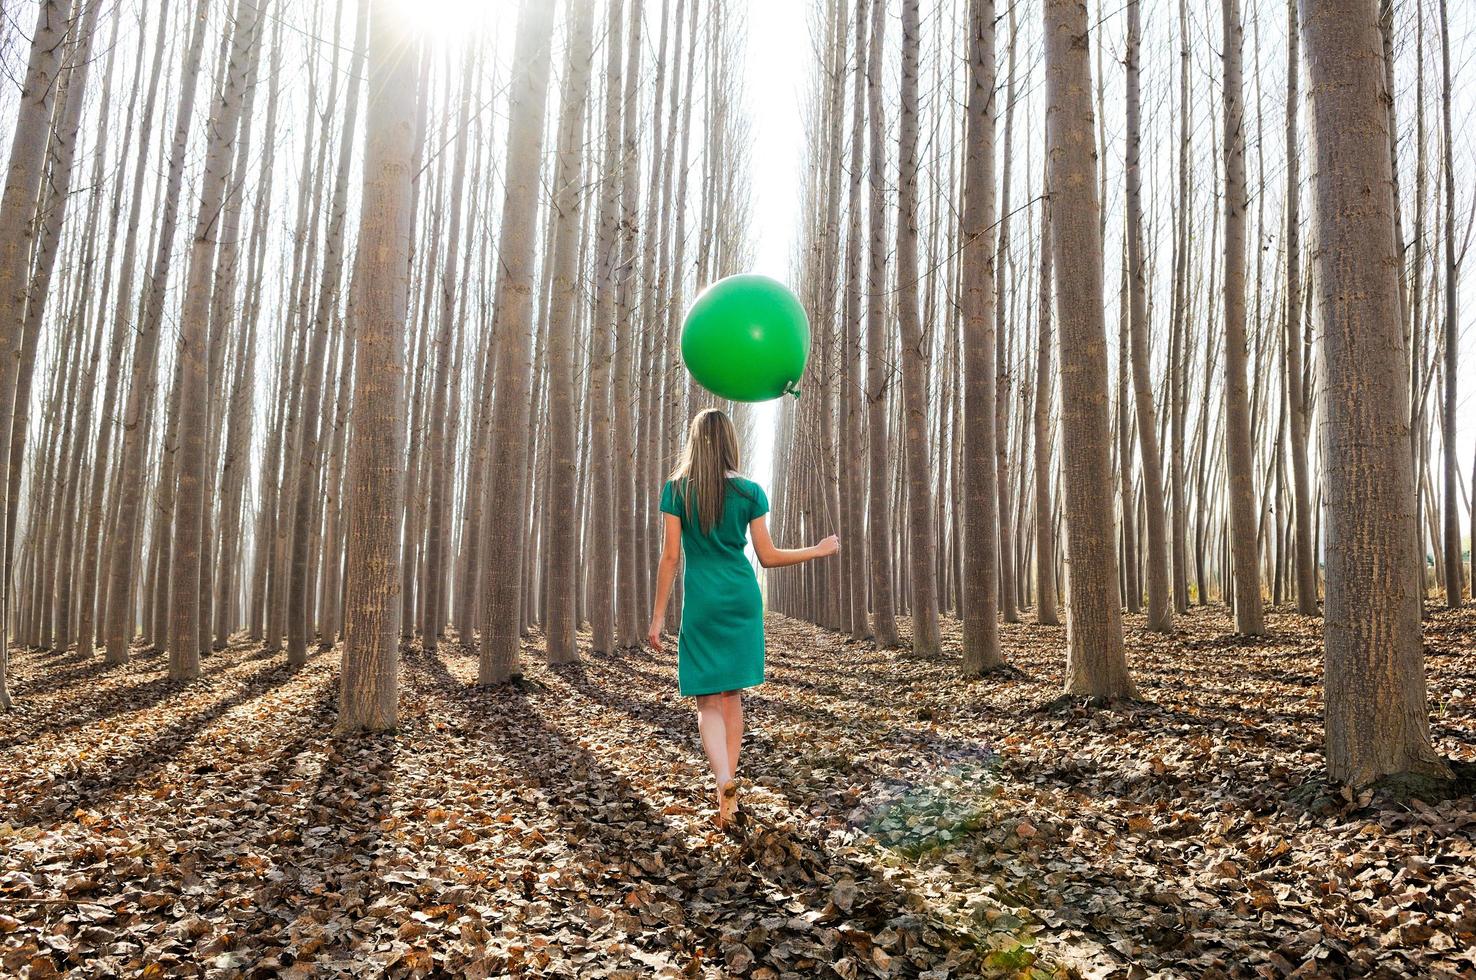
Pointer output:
x,y
742,482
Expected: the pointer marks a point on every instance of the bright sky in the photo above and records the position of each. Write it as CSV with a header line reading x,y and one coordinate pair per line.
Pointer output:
x,y
780,56
776,77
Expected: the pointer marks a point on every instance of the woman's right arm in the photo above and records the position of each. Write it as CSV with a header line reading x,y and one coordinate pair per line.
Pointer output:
x,y
772,557
671,551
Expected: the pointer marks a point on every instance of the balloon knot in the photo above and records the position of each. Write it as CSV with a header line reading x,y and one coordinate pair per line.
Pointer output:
x,y
792,388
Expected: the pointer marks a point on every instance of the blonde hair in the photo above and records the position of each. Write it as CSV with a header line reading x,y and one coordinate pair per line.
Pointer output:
x,y
700,481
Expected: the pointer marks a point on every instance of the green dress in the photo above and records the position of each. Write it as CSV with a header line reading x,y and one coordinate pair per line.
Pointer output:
x,y
721,645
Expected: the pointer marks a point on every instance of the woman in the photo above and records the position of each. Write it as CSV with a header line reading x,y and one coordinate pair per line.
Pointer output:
x,y
720,651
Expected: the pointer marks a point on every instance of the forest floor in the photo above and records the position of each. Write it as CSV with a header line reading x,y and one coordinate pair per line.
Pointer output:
x,y
901,822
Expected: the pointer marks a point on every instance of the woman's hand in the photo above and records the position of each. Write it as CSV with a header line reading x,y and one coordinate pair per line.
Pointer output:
x,y
653,635
828,547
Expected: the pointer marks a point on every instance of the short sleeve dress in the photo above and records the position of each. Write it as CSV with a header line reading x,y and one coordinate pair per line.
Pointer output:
x,y
721,644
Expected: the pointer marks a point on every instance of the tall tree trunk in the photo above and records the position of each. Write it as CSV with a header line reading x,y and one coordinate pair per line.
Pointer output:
x,y
17,212
852,401
1005,540
603,496
562,432
1178,341
433,583
1131,586
626,499
926,639
1095,663
1045,524
506,529
1454,577
55,196
1377,721
189,505
981,580
1239,464
120,620
368,686
1306,560
879,516
1160,602
87,626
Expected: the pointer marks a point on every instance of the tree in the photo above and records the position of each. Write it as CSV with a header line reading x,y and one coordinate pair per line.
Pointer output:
x,y
1178,347
17,211
1376,719
853,469
122,554
926,640
368,693
56,195
505,531
878,509
1005,512
562,610
1306,561
628,564
1160,602
1239,466
602,613
91,599
189,505
1045,523
1454,580
433,580
1095,663
980,560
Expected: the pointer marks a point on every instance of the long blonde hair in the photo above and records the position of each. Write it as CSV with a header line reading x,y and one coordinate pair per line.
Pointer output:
x,y
700,481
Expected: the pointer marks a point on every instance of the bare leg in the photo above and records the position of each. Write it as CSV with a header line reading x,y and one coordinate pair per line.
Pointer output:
x,y
715,740
733,720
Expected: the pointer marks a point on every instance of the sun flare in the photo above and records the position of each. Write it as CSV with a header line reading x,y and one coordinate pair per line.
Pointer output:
x,y
448,21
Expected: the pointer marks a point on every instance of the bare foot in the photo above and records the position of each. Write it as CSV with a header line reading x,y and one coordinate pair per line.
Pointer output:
x,y
727,802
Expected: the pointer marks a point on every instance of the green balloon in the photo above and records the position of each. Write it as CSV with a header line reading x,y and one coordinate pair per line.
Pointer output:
x,y
746,338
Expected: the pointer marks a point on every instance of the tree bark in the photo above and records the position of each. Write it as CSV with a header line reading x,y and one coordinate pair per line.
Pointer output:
x,y
603,496
1454,572
506,529
376,473
189,504
562,432
433,583
1095,664
1303,556
981,579
119,623
1045,523
878,379
628,563
1160,602
1178,345
926,639
1239,465
17,212
1004,541
1377,721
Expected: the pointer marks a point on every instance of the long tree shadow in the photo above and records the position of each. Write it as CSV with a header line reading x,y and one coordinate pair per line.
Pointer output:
x,y
59,669
774,876
97,706
94,789
904,748
848,767
352,799
937,749
763,707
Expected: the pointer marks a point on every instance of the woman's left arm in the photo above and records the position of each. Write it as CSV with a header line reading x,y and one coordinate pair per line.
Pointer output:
x,y
671,552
